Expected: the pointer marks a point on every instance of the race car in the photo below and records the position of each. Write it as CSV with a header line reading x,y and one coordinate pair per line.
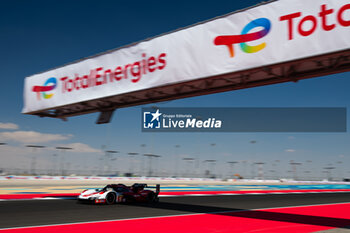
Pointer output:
x,y
120,193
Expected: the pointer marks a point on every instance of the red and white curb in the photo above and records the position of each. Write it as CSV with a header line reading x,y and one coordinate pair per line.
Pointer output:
x,y
307,218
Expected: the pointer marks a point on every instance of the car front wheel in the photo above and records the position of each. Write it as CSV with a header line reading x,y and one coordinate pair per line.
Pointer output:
x,y
110,198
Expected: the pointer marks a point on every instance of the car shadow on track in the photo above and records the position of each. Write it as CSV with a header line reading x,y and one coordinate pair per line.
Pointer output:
x,y
253,214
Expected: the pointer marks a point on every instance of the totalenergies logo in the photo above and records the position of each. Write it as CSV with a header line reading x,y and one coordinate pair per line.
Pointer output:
x,y
49,85
245,37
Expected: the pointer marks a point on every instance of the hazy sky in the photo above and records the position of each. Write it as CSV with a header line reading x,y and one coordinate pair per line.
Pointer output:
x,y
41,35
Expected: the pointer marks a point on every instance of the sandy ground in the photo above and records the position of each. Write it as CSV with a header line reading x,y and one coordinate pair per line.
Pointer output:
x,y
77,186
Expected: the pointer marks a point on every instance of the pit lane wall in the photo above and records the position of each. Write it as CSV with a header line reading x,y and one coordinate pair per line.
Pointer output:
x,y
103,178
271,33
160,180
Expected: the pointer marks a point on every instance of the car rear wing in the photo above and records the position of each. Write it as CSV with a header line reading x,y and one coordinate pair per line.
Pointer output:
x,y
157,187
138,185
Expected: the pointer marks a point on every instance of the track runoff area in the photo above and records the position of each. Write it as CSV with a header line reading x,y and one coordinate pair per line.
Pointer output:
x,y
267,210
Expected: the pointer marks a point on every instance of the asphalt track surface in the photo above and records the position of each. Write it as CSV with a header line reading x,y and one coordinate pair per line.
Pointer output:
x,y
21,213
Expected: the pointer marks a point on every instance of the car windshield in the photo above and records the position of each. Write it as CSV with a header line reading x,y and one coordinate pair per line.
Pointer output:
x,y
107,187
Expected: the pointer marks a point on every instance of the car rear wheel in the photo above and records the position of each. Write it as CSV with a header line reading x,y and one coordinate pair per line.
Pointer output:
x,y
150,197
110,198
128,199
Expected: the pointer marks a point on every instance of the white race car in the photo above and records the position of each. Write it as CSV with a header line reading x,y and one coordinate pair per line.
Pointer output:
x,y
114,193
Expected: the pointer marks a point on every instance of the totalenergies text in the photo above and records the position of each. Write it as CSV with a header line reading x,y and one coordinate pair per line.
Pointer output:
x,y
100,76
328,19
